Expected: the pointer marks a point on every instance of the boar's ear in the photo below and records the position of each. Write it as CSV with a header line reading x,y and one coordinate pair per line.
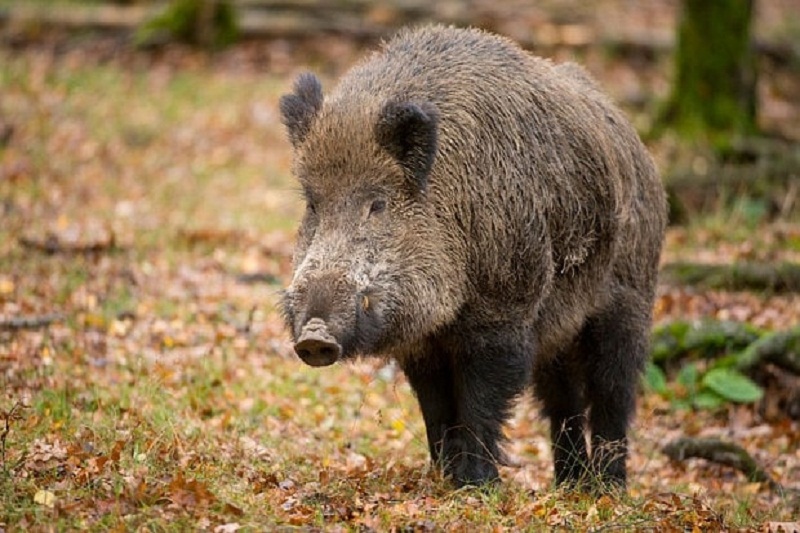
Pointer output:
x,y
408,132
299,108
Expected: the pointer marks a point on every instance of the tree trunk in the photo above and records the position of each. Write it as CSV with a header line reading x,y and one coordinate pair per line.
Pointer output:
x,y
204,30
714,93
206,23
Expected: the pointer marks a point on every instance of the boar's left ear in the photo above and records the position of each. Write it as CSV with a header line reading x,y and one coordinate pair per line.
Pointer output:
x,y
408,132
299,108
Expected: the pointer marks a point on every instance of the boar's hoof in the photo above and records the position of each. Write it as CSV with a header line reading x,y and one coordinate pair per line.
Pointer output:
x,y
317,347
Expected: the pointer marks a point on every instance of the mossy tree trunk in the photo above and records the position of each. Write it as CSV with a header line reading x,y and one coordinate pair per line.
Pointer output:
x,y
714,93
206,23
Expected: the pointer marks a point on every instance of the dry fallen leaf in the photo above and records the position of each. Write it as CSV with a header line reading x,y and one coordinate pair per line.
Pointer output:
x,y
45,497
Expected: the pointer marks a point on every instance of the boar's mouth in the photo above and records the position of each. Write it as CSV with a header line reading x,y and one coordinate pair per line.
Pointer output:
x,y
316,346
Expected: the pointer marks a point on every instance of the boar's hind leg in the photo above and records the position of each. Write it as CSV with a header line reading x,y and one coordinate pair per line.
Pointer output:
x,y
560,388
615,345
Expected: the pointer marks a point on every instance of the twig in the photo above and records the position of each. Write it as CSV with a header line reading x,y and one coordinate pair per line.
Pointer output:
x,y
724,453
15,323
257,277
249,326
7,417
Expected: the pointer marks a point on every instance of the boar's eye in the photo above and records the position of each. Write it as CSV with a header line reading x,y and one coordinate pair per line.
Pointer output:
x,y
312,208
378,206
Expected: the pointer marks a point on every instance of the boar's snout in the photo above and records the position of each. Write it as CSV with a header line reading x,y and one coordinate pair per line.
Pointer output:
x,y
316,346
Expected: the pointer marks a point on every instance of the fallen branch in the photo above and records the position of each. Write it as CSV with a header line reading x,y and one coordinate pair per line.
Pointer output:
x,y
781,348
77,15
16,323
746,345
765,170
774,277
705,339
724,453
52,245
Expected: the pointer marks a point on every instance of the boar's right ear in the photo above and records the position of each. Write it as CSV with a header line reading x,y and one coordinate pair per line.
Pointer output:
x,y
299,108
408,132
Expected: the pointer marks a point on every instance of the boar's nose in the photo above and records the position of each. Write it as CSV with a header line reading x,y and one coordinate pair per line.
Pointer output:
x,y
316,346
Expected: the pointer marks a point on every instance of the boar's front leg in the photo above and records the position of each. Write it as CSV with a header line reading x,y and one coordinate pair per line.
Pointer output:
x,y
431,377
466,391
492,367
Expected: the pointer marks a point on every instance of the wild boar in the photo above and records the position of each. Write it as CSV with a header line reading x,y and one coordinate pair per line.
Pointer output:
x,y
491,221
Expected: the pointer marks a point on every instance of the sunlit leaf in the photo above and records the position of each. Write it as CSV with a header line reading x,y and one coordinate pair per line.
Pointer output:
x,y
6,285
45,497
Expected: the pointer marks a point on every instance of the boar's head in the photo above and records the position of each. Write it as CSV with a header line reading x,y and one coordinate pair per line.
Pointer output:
x,y
366,277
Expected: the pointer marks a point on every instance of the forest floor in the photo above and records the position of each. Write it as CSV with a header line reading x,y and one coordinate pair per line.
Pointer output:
x,y
147,216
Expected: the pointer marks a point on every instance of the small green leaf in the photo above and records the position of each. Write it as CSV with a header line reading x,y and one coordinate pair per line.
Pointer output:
x,y
708,399
688,377
681,404
732,385
655,379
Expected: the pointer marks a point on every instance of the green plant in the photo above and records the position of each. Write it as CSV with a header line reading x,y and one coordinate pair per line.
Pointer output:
x,y
708,389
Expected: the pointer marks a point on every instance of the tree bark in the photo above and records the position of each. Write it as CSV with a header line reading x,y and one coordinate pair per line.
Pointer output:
x,y
204,30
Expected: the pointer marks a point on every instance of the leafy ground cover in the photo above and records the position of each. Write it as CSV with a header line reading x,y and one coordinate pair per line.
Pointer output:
x,y
146,212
